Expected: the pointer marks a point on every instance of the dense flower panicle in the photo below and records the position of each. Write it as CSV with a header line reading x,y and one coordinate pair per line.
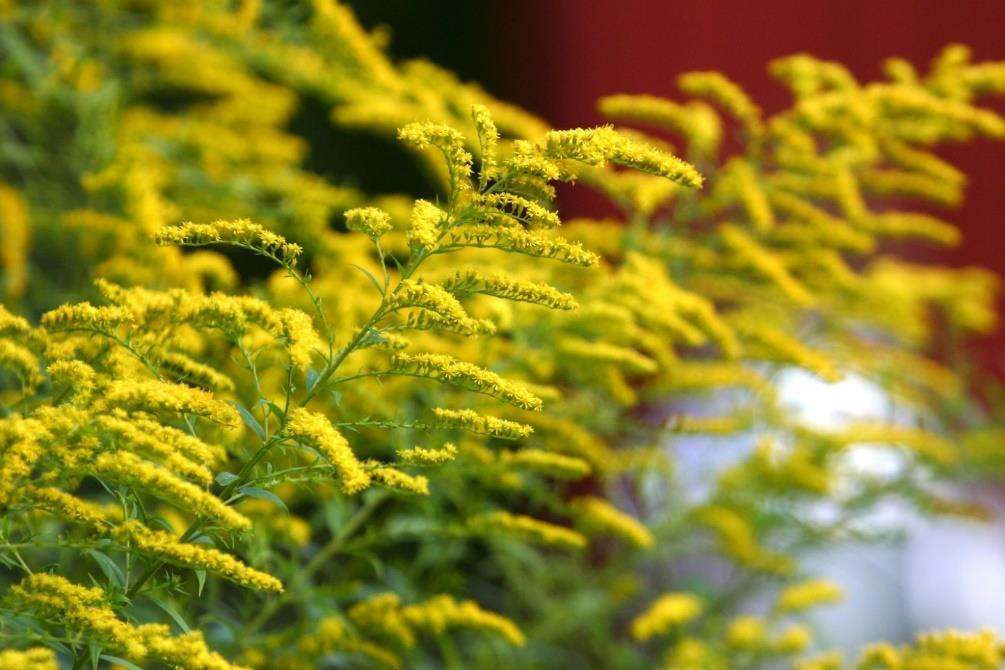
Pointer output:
x,y
477,423
84,609
520,241
167,547
547,463
785,347
242,233
316,431
510,288
450,142
34,658
597,514
923,442
160,443
400,481
695,121
424,456
738,540
21,361
602,352
381,614
808,594
943,649
70,507
21,446
302,340
425,226
369,220
754,200
596,146
528,529
79,608
157,396
84,316
746,632
526,211
441,613
720,90
448,312
127,467
12,323
792,639
767,264
15,237
666,612
466,375
488,138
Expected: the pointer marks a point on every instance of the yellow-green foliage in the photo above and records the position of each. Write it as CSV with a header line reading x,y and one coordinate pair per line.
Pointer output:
x,y
440,431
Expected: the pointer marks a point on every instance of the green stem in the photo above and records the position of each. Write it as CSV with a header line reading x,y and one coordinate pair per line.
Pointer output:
x,y
319,559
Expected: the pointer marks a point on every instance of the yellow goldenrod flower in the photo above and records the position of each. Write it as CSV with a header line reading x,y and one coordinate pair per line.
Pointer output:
x,y
510,288
596,146
808,594
316,431
437,300
829,661
34,658
21,361
520,241
442,612
728,95
450,142
22,446
449,370
601,352
400,481
11,323
488,425
528,529
70,507
84,316
79,608
369,220
792,640
488,138
14,239
746,632
127,467
666,612
597,514
695,121
382,614
766,263
522,209
423,456
242,233
166,547
547,463
425,226
157,396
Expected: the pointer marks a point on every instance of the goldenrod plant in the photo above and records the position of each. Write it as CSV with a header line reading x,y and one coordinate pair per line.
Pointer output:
x,y
255,416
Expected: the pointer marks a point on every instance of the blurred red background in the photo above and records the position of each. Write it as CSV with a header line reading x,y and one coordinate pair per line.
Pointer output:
x,y
559,56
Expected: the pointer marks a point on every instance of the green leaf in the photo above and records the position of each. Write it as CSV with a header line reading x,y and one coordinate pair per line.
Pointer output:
x,y
262,494
250,420
226,478
115,660
170,611
376,284
200,576
108,566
